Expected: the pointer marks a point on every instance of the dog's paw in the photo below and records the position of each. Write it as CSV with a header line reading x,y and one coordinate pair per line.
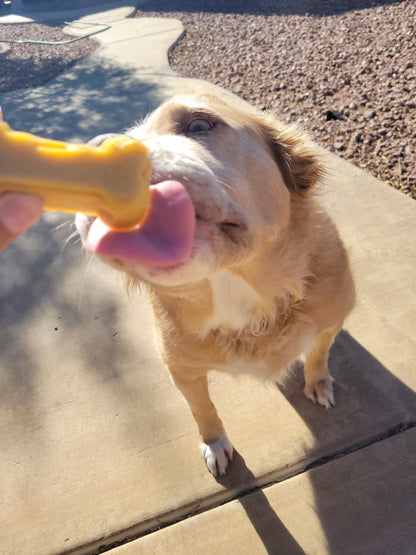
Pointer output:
x,y
321,392
217,455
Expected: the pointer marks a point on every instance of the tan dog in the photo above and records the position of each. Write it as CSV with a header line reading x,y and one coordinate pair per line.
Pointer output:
x,y
257,275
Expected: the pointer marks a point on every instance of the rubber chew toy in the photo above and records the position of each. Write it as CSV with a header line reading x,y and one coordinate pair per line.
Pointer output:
x,y
110,181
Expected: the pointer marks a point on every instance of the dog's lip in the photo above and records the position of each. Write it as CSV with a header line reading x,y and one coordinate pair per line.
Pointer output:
x,y
232,223
223,225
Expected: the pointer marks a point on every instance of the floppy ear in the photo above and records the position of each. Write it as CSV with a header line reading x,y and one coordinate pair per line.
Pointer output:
x,y
294,154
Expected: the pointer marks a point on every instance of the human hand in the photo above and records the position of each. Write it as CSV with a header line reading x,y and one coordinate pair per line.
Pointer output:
x,y
18,212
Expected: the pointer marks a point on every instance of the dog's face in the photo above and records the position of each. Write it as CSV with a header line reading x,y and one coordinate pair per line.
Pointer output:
x,y
240,172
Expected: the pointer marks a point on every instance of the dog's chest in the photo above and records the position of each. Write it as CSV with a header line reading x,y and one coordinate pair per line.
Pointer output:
x,y
234,303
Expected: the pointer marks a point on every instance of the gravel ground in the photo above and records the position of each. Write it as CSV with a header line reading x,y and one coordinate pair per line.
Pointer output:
x,y
30,65
348,77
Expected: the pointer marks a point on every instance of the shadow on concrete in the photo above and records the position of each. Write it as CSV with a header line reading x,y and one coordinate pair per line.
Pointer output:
x,y
45,290
372,405
40,303
98,97
364,500
34,269
27,271
274,535
269,7
368,397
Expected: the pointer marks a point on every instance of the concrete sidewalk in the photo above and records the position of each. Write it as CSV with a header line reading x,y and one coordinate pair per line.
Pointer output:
x,y
97,446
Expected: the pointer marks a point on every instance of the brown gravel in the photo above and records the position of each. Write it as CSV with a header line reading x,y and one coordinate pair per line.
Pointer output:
x,y
30,65
349,77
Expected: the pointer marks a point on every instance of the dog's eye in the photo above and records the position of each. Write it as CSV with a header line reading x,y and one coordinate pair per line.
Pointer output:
x,y
199,125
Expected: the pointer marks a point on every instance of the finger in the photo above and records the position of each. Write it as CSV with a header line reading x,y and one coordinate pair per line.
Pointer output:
x,y
18,212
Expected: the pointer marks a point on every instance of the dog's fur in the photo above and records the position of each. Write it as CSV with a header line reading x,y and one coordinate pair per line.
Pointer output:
x,y
268,277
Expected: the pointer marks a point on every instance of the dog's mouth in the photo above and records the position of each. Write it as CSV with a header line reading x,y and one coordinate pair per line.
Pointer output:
x,y
173,226
166,237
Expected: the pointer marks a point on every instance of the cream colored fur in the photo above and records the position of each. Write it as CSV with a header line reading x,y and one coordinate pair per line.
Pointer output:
x,y
268,278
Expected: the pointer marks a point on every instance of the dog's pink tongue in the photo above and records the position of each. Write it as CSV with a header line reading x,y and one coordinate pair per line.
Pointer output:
x,y
163,239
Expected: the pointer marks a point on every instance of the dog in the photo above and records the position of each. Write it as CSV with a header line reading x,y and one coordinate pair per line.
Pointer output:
x,y
245,270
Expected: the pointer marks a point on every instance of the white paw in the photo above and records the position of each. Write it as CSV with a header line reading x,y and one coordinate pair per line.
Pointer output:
x,y
321,392
217,455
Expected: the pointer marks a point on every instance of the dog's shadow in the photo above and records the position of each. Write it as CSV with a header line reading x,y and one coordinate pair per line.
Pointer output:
x,y
274,535
372,404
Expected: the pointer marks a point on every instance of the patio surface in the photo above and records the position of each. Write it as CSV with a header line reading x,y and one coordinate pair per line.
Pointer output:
x,y
97,446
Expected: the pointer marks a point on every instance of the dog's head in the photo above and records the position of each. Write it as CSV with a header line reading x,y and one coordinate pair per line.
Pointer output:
x,y
240,170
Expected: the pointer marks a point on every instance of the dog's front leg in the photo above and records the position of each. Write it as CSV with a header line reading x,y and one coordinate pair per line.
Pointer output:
x,y
216,448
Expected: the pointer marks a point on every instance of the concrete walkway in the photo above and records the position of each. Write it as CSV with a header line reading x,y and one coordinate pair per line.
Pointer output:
x,y
97,448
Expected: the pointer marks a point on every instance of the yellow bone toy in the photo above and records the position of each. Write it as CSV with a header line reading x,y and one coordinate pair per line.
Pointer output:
x,y
110,181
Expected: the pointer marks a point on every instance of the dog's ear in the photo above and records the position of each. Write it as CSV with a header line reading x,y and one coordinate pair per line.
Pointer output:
x,y
294,154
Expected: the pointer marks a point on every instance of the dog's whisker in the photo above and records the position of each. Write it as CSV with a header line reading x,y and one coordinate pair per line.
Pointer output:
x,y
74,235
63,225
225,184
